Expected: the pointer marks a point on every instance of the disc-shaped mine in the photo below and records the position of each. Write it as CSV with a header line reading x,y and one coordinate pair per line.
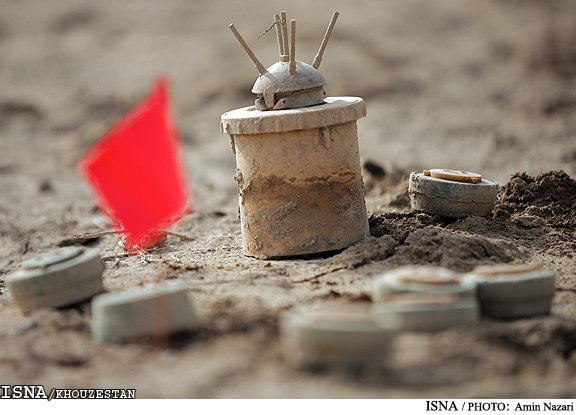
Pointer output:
x,y
453,198
513,291
424,279
424,298
141,312
58,278
333,334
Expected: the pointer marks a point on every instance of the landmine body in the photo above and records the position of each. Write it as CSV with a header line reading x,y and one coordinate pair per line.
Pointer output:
x,y
452,193
299,180
298,167
344,335
140,312
57,278
424,298
513,291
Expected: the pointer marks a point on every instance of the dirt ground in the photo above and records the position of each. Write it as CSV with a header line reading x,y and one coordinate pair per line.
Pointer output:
x,y
487,86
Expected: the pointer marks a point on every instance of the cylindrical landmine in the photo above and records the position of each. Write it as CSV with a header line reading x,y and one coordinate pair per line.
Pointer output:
x,y
299,178
333,334
58,278
141,312
452,193
513,291
424,298
298,167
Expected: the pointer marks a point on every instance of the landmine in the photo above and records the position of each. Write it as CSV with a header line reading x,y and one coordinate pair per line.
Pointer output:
x,y
452,193
513,291
57,278
424,298
343,335
140,312
299,178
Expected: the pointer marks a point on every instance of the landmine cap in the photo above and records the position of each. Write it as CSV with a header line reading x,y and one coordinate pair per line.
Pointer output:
x,y
53,257
335,110
57,278
426,274
278,78
333,334
505,269
513,290
454,175
427,279
141,311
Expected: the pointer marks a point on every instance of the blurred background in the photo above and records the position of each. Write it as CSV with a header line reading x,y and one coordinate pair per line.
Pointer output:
x,y
485,86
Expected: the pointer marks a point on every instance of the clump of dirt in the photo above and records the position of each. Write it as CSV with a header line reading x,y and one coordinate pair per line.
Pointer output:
x,y
400,225
420,238
548,199
437,246
369,250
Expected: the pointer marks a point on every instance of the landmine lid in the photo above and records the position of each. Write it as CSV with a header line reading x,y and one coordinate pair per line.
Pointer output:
x,y
505,269
278,78
288,83
426,274
422,279
53,257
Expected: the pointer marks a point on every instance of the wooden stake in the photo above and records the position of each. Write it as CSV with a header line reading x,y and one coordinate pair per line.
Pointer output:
x,y
259,66
279,35
285,32
292,47
318,58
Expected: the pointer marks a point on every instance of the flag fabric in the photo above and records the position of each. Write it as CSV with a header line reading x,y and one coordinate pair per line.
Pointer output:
x,y
136,171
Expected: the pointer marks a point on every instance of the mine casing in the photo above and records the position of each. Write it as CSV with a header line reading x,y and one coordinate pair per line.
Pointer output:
x,y
299,178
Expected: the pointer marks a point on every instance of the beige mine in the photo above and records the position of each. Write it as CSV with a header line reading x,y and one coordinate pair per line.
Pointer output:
x,y
334,335
141,312
513,290
424,298
58,278
299,180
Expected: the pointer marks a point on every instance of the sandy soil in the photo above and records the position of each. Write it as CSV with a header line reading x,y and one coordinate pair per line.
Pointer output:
x,y
485,86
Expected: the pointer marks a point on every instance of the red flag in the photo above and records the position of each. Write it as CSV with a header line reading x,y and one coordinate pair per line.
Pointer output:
x,y
136,171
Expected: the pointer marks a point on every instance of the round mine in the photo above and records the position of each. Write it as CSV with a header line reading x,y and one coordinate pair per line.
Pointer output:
x,y
298,165
428,279
339,334
452,193
58,278
513,290
424,298
299,177
141,312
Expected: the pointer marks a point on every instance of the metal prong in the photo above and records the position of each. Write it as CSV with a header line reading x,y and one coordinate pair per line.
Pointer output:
x,y
285,32
292,47
318,58
279,34
259,66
